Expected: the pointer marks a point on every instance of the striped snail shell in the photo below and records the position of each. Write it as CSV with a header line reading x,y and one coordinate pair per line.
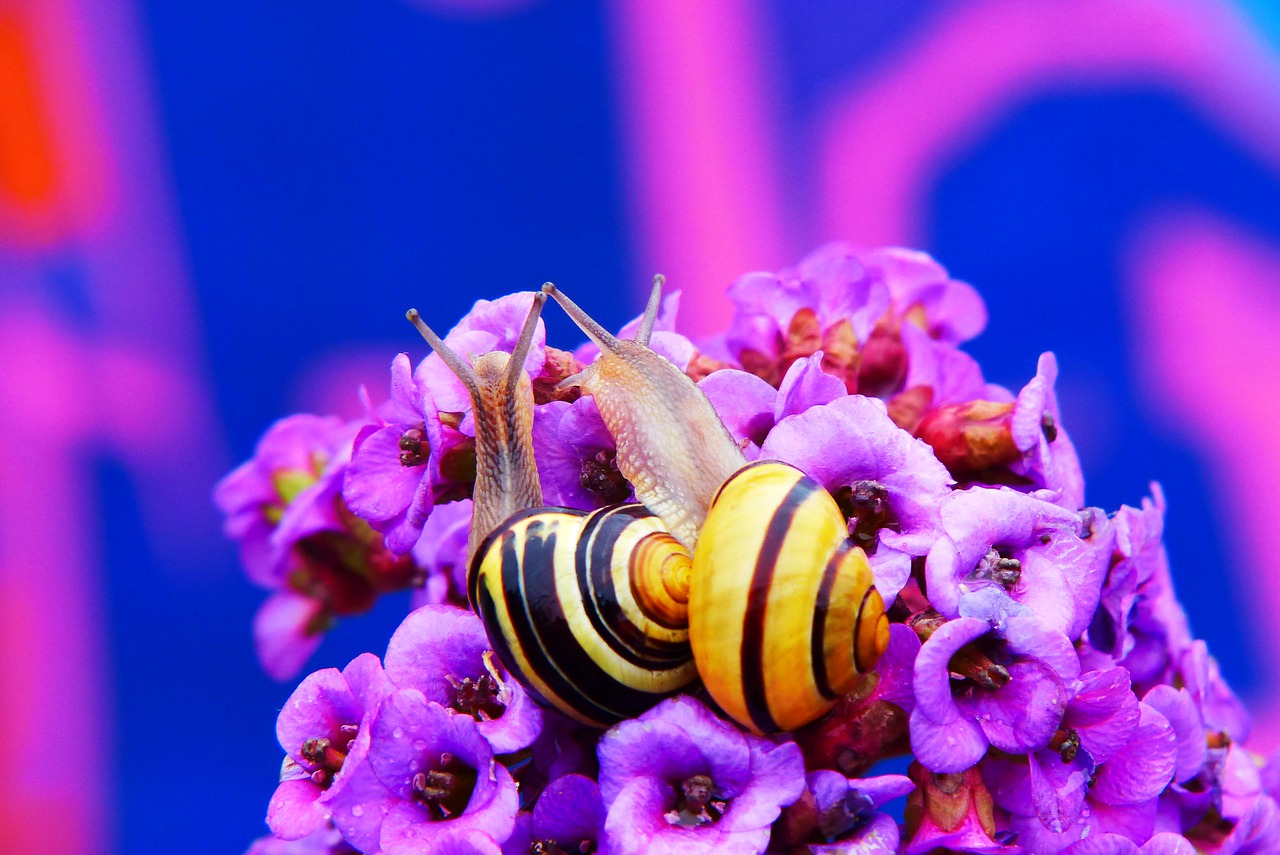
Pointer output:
x,y
778,591
587,611
590,609
783,613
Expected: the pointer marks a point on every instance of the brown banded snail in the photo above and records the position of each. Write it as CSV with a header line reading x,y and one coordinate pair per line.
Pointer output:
x,y
593,612
578,606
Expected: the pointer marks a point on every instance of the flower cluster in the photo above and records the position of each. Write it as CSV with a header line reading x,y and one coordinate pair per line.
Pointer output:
x,y
1039,675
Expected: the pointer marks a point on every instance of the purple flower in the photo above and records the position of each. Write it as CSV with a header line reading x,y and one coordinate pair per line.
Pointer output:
x,y
750,407
829,302
287,629
1005,550
441,553
442,774
1012,693
569,817
924,294
888,483
1222,710
1110,784
325,729
1227,807
680,780
290,458
980,435
301,540
576,456
398,463
443,652
1127,625
841,816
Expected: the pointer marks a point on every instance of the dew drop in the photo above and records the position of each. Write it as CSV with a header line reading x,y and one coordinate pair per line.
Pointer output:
x,y
419,744
357,810
398,733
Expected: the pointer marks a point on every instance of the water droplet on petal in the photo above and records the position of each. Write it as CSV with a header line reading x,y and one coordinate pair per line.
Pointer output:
x,y
419,744
357,810
398,733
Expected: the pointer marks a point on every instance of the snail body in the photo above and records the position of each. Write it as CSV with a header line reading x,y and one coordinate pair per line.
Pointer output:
x,y
741,574
784,616
588,611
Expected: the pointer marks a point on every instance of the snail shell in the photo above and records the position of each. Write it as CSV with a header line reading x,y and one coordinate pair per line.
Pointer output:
x,y
783,613
778,592
589,610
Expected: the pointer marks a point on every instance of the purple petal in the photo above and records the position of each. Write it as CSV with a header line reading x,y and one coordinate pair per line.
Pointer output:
x,y
932,684
1027,636
362,803
636,824
743,401
806,385
436,647
673,347
726,749
295,810
1167,843
569,811
951,747
1103,844
777,779
377,485
1008,778
896,667
1104,713
1058,789
1179,708
658,750
433,644
282,633
319,707
1023,715
1143,767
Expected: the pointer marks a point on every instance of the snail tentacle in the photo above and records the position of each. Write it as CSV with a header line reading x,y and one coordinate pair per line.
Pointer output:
x,y
650,311
672,446
502,405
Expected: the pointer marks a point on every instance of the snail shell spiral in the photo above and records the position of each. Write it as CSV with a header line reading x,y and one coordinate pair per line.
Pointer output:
x,y
588,610
783,612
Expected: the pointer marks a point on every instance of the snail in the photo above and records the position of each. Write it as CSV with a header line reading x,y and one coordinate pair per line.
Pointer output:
x,y
587,610
776,605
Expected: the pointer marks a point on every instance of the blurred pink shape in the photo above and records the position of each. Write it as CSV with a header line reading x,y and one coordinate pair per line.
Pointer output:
x,y
700,137
1205,302
117,378
891,134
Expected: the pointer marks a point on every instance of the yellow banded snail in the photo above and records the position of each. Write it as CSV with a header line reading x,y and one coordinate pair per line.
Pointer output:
x,y
782,615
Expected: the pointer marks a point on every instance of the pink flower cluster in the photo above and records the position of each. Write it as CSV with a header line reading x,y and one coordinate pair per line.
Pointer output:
x,y
1040,675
